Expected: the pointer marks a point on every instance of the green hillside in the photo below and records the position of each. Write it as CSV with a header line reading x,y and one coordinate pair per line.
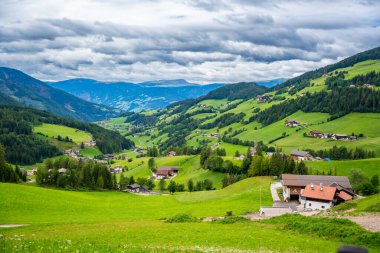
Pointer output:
x,y
51,130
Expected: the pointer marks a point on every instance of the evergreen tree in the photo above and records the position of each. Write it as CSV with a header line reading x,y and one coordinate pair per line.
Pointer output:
x,y
162,184
172,187
190,185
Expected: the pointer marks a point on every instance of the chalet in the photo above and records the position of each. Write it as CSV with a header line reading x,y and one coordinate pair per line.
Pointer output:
x,y
136,188
172,153
62,171
292,123
300,155
367,85
31,172
117,169
318,134
108,156
165,172
91,143
293,185
318,197
72,152
340,137
214,135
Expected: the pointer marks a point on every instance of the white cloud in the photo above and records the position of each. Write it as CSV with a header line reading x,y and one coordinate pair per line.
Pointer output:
x,y
198,40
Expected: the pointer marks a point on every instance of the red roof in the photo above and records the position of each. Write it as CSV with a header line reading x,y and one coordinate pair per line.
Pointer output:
x,y
327,192
345,196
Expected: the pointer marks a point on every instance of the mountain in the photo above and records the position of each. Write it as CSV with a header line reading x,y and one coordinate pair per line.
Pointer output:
x,y
271,83
18,87
133,97
341,98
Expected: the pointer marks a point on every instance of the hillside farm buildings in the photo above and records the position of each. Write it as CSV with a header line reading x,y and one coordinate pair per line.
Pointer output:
x,y
300,155
317,192
292,123
165,172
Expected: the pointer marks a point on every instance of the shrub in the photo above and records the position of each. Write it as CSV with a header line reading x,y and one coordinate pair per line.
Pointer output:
x,y
232,219
181,218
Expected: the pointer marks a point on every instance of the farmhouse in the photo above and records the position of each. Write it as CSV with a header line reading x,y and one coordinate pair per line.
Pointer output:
x,y
91,143
367,85
318,197
294,185
214,135
31,172
108,156
318,134
172,153
62,171
292,123
300,155
340,137
117,169
136,188
165,172
72,152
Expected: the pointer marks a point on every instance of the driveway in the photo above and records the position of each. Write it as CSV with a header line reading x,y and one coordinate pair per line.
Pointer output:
x,y
273,190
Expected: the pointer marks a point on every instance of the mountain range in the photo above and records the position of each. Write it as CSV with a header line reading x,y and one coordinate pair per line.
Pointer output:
x,y
17,87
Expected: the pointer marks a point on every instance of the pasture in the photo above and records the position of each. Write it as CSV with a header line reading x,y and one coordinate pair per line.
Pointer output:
x,y
53,131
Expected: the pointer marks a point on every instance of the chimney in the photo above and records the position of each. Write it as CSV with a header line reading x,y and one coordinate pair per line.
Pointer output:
x,y
321,186
312,186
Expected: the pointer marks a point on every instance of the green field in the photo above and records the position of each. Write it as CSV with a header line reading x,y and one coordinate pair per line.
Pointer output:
x,y
369,166
94,151
53,131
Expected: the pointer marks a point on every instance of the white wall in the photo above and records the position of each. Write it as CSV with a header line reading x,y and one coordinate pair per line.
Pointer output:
x,y
315,205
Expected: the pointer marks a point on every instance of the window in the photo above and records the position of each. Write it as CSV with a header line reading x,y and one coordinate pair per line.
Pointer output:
x,y
309,204
323,207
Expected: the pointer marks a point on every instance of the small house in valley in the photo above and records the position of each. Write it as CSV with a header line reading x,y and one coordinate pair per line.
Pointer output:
x,y
136,188
31,172
292,123
172,153
165,172
298,155
117,169
91,143
214,135
318,197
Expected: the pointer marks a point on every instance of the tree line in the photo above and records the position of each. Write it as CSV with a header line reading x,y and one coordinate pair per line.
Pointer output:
x,y
343,153
8,174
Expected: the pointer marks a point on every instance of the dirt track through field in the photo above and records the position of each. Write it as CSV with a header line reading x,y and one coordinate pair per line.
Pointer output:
x,y
369,222
12,225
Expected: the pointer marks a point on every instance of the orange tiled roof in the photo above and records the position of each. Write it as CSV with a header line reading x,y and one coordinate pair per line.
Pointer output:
x,y
345,196
327,193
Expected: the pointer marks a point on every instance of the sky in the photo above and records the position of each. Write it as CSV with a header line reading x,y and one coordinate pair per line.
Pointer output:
x,y
202,41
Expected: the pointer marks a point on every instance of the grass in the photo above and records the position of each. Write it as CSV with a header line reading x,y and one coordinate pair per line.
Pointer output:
x,y
65,221
369,166
53,131
94,151
367,204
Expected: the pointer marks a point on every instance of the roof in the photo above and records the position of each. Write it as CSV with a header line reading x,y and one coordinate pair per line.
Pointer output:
x,y
303,180
134,186
341,188
327,192
162,168
345,196
299,153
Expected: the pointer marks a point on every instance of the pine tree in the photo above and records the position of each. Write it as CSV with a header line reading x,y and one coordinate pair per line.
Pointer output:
x,y
190,185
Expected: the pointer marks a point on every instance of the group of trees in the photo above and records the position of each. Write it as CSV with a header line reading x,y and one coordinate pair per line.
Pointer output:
x,y
343,153
224,120
153,151
7,172
339,81
337,102
77,174
361,184
25,147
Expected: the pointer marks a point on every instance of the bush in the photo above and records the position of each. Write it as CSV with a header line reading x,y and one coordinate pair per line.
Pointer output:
x,y
182,218
232,219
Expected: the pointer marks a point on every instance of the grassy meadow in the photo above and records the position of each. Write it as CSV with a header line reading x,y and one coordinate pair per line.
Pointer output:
x,y
53,131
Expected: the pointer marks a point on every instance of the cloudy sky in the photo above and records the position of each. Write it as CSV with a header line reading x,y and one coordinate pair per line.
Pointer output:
x,y
199,40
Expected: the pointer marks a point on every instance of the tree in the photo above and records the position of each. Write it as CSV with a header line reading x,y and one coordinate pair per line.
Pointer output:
x,y
199,186
162,184
375,181
180,187
82,145
207,184
367,188
150,184
256,166
152,164
357,179
172,187
205,154
190,185
237,153
100,182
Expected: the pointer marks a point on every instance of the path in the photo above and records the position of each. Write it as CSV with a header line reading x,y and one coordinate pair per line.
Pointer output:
x,y
12,225
273,190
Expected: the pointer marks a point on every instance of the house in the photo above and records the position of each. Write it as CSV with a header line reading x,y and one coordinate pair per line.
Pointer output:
x,y
91,143
318,197
172,153
117,169
367,85
31,172
108,156
293,185
300,155
214,135
136,188
165,172
317,134
62,171
74,153
340,137
292,123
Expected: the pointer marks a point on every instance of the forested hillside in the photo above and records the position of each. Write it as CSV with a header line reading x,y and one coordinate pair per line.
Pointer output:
x,y
17,87
25,147
239,115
